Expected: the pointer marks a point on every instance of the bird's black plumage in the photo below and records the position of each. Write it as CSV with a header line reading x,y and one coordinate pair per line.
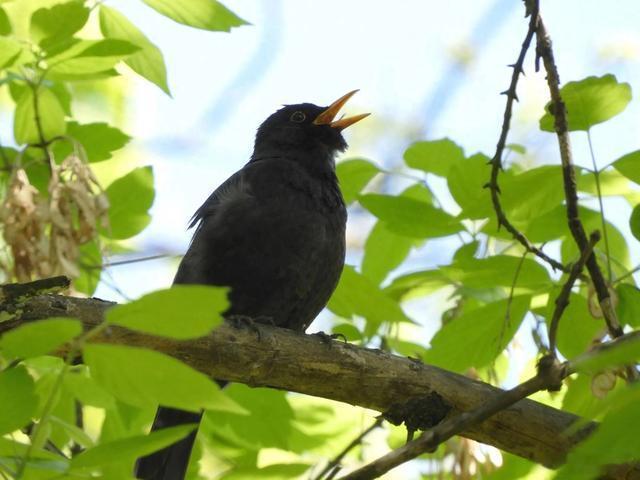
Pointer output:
x,y
274,233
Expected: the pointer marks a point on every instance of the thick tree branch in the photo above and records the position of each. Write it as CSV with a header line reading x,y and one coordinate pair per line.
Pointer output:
x,y
550,375
338,371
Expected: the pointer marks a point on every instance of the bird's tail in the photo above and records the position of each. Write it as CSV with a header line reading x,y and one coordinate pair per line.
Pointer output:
x,y
171,462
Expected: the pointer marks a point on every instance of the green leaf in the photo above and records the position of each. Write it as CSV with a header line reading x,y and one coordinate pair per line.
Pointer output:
x,y
99,141
181,312
353,175
130,198
436,156
58,22
628,304
357,295
87,390
148,62
477,336
18,400
267,423
499,270
615,441
146,378
531,193
90,271
10,51
577,328
39,338
634,222
383,252
620,353
417,284
63,94
410,217
629,166
466,181
204,14
130,448
5,25
51,115
590,101
88,57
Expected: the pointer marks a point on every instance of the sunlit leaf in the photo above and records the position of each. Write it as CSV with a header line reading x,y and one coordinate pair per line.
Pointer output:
x,y
478,336
205,14
357,295
39,338
410,217
99,141
498,270
624,352
590,101
130,448
634,222
146,378
130,198
58,22
50,115
577,329
628,304
629,166
87,57
181,312
5,24
615,441
384,251
417,283
466,181
9,51
18,401
266,424
436,156
353,175
148,62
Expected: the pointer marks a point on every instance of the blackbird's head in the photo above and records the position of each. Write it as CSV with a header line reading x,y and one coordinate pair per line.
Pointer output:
x,y
306,128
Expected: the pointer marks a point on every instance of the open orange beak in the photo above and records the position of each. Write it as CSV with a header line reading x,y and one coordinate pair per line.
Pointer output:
x,y
327,117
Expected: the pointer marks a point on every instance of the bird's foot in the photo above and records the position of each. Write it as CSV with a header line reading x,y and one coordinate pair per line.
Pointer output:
x,y
327,337
245,321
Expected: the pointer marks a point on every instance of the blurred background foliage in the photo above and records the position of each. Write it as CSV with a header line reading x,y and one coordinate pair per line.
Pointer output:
x,y
115,123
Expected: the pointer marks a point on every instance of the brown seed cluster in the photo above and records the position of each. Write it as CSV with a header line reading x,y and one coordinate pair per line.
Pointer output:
x,y
44,232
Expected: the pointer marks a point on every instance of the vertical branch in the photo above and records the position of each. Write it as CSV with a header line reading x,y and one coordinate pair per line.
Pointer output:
x,y
562,300
559,111
496,161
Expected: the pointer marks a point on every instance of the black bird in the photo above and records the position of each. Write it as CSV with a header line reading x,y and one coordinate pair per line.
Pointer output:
x,y
274,233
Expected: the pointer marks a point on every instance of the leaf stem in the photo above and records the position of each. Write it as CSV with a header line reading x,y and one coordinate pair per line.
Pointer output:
x,y
596,176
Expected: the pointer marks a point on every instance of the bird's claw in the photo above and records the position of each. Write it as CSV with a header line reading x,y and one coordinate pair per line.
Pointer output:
x,y
327,337
245,321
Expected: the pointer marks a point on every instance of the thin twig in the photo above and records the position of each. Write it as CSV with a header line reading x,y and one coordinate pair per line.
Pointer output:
x,y
549,376
496,161
331,466
558,108
562,300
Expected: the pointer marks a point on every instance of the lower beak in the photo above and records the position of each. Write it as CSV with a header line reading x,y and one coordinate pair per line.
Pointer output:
x,y
327,117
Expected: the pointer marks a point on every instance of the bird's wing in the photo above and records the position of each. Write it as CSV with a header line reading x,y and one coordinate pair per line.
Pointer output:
x,y
235,187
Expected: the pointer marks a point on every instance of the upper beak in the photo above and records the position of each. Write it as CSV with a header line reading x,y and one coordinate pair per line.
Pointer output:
x,y
326,117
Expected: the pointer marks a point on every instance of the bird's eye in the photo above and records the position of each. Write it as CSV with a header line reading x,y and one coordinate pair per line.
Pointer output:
x,y
298,117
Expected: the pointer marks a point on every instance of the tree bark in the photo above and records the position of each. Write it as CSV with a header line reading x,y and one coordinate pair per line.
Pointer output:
x,y
335,370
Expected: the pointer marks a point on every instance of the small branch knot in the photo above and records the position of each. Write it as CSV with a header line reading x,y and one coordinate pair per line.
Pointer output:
x,y
551,371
